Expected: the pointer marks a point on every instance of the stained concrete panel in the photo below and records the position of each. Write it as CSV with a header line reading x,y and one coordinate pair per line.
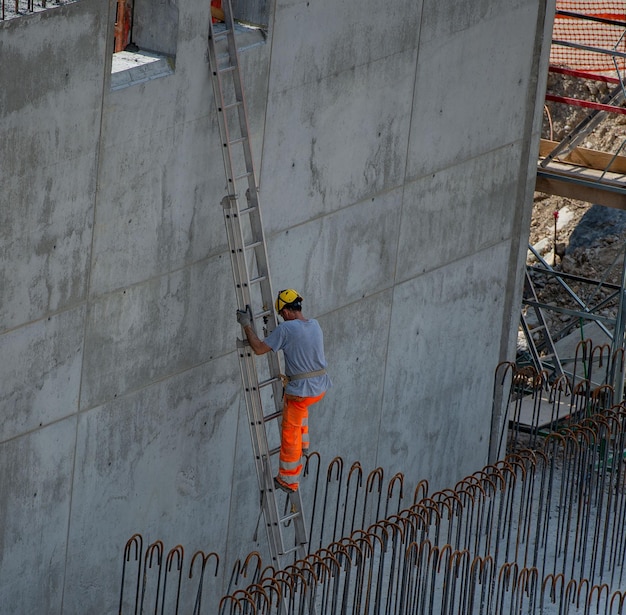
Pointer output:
x,y
155,25
429,428
45,239
132,113
40,367
35,474
442,21
346,420
51,111
340,258
454,70
185,427
164,326
440,211
314,40
48,137
325,155
153,214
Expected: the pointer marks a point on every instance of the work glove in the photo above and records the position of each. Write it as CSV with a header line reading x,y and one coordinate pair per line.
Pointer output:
x,y
244,317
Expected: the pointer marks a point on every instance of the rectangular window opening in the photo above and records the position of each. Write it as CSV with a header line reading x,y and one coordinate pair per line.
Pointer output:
x,y
145,40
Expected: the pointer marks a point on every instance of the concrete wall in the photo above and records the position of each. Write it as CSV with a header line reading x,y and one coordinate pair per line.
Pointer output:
x,y
155,25
395,152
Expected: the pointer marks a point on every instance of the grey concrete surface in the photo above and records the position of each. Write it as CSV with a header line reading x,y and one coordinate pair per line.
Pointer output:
x,y
395,151
437,401
470,53
41,372
326,155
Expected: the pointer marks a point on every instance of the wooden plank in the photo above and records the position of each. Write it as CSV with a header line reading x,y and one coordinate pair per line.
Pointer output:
x,y
581,192
589,158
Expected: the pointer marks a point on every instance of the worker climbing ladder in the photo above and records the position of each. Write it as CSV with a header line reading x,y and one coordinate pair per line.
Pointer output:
x,y
286,531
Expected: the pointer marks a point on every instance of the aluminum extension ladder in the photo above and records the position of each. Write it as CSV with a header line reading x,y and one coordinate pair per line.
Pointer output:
x,y
251,274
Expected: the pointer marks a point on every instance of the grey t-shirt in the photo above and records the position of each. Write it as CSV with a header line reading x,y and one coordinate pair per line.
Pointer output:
x,y
302,343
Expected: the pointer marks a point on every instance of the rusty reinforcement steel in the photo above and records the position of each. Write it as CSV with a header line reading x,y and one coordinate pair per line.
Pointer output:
x,y
540,531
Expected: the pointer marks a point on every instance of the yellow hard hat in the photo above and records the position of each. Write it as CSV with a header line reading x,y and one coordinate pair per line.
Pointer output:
x,y
286,298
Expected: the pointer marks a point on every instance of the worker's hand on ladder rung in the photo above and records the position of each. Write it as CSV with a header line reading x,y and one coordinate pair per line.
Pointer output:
x,y
244,317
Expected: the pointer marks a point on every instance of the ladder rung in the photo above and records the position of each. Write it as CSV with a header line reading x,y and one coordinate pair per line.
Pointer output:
x,y
256,244
292,549
248,210
230,106
262,314
264,383
289,517
221,34
258,279
247,174
274,450
272,416
226,69
236,141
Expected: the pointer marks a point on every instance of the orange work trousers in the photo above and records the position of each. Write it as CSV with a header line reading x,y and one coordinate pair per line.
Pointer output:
x,y
294,438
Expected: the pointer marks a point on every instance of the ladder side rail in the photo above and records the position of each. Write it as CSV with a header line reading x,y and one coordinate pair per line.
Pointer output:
x,y
249,375
255,407
248,367
239,252
262,266
254,215
255,219
252,193
261,457
218,92
237,247
270,321
238,86
220,104
273,518
255,414
236,82
232,213
239,266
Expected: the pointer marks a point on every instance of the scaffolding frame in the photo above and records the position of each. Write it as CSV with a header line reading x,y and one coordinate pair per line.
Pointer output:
x,y
565,169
